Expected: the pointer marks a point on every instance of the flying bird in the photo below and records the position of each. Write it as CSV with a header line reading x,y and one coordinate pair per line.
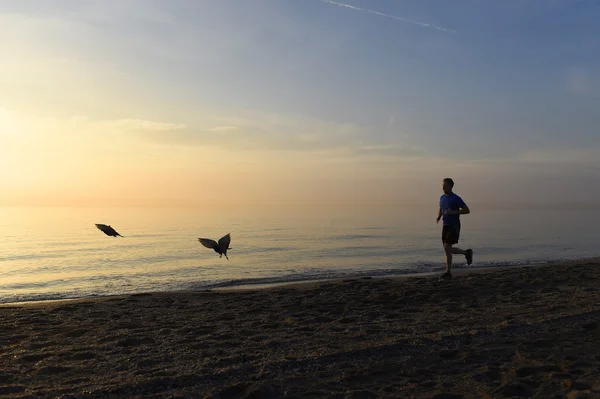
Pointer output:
x,y
220,247
109,231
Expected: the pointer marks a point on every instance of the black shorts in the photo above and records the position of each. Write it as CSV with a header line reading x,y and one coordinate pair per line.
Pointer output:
x,y
450,234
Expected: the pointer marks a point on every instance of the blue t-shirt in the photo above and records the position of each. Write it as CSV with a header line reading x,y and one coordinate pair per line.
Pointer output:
x,y
451,202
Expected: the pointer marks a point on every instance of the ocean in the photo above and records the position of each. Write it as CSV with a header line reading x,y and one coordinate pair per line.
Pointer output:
x,y
56,253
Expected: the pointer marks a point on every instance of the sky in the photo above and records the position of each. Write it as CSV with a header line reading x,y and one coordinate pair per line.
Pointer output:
x,y
298,101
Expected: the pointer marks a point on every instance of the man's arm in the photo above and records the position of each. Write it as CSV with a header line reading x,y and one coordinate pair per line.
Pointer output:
x,y
463,211
439,215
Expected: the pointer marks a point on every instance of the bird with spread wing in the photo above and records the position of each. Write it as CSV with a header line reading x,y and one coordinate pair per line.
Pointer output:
x,y
109,231
220,247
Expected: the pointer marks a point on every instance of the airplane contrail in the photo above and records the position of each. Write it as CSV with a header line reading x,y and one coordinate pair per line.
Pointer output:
x,y
426,25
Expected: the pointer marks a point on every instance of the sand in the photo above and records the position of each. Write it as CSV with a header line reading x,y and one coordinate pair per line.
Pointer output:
x,y
521,332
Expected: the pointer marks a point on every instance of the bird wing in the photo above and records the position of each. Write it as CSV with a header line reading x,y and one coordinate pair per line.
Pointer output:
x,y
208,243
108,230
102,227
225,241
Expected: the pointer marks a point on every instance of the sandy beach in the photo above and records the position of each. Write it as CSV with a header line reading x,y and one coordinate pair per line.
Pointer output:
x,y
520,332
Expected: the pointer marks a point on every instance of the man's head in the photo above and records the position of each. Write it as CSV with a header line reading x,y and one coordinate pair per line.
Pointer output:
x,y
447,185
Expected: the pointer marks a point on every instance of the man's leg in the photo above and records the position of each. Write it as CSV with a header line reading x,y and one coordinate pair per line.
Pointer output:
x,y
458,251
468,254
448,249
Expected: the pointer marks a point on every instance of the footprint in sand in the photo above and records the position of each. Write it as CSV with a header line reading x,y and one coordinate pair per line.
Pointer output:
x,y
447,396
128,342
11,389
83,356
591,326
579,386
583,364
67,308
360,395
52,370
490,377
76,333
40,345
527,371
514,389
32,358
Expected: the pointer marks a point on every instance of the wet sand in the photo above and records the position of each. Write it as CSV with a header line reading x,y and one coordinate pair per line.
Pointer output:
x,y
521,332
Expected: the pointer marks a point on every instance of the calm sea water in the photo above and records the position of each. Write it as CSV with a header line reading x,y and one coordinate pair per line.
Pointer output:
x,y
52,253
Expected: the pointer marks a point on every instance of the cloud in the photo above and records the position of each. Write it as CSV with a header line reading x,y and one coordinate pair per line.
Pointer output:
x,y
256,131
250,138
381,14
120,127
143,125
27,133
560,156
551,159
306,157
223,128
391,151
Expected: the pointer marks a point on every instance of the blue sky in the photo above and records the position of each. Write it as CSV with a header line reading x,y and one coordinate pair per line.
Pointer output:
x,y
502,83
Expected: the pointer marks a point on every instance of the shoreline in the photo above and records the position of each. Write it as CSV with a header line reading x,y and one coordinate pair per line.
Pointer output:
x,y
459,270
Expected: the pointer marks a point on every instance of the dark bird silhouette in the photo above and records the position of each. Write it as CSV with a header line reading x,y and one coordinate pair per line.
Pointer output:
x,y
109,231
220,247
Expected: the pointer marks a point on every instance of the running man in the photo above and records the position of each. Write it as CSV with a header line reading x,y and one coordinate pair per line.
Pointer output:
x,y
451,207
